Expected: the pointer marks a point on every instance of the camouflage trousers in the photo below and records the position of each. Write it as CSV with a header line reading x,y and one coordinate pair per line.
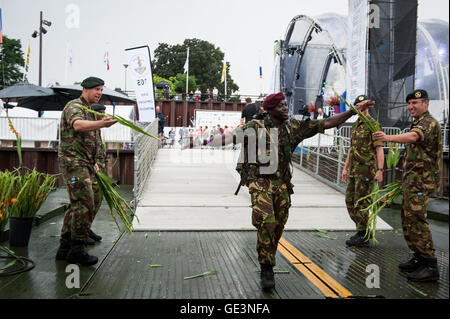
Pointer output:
x,y
270,203
358,187
85,201
414,223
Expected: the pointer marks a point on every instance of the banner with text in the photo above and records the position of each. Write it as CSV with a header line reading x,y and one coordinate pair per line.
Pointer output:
x,y
141,71
356,48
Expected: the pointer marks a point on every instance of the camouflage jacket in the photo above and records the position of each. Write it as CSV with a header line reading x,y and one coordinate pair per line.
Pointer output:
x,y
287,137
423,159
77,148
363,155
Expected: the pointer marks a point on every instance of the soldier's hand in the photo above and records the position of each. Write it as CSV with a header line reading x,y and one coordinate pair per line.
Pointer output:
x,y
365,105
381,136
344,176
379,176
107,121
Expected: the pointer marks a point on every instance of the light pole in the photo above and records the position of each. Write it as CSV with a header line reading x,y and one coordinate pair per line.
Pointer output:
x,y
126,66
42,30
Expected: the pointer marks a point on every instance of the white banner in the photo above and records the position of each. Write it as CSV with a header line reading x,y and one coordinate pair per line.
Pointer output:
x,y
141,71
356,49
212,118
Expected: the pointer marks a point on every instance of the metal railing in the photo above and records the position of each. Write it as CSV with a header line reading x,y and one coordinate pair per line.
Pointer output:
x,y
145,150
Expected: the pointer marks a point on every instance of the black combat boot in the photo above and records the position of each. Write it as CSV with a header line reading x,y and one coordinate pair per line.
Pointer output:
x,y
77,255
428,271
358,240
89,241
411,265
94,236
267,276
62,252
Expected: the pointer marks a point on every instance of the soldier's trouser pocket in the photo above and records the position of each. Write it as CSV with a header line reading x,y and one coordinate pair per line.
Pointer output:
x,y
79,182
416,229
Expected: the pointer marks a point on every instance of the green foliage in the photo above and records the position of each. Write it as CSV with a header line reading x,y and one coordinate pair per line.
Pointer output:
x,y
205,64
12,62
179,82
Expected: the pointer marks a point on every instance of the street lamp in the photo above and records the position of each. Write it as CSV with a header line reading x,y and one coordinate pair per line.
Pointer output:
x,y
126,66
42,30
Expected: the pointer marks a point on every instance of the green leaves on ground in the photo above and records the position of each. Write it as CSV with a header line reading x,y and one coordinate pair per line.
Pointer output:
x,y
211,272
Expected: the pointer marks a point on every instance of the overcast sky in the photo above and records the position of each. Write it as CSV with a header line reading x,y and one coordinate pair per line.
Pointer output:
x,y
244,30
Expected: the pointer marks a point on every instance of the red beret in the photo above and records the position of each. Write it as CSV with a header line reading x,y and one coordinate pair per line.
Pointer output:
x,y
272,100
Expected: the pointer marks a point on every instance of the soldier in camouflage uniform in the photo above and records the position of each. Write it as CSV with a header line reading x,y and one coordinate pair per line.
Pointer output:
x,y
270,186
421,177
360,172
78,159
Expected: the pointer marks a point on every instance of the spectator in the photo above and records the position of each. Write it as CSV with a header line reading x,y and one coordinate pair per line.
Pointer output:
x,y
219,129
208,94
197,94
312,110
161,120
215,93
250,110
166,92
320,114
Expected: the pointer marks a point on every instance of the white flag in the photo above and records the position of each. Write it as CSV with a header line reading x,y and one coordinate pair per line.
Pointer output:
x,y
186,64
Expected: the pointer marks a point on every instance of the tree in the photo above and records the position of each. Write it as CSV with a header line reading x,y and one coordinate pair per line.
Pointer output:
x,y
179,83
205,63
12,62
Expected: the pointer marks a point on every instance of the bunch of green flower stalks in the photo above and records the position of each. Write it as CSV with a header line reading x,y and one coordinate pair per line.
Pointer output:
x,y
116,202
121,120
30,192
373,128
7,194
380,198
393,156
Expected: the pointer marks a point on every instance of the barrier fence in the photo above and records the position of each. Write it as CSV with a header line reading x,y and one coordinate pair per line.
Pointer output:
x,y
145,150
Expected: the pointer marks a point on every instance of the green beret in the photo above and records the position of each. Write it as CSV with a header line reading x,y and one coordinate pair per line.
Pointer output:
x,y
92,82
98,107
417,94
360,98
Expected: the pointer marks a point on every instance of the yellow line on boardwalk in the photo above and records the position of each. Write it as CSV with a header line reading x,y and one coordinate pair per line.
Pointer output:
x,y
319,278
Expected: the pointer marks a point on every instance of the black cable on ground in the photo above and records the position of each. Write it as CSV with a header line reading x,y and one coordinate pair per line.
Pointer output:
x,y
27,264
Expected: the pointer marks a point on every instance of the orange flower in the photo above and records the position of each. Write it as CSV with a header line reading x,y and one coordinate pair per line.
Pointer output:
x,y
13,199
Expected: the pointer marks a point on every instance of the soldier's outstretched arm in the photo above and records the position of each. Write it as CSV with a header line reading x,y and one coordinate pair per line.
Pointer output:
x,y
86,126
342,117
409,137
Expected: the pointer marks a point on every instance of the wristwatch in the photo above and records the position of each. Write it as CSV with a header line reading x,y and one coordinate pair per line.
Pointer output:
x,y
381,169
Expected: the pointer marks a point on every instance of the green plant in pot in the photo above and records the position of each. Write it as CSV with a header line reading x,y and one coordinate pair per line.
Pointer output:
x,y
30,192
7,184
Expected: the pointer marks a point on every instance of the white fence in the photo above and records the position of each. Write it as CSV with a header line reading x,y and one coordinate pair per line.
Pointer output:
x,y
46,129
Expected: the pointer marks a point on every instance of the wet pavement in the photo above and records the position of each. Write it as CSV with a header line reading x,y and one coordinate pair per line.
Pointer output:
x,y
153,264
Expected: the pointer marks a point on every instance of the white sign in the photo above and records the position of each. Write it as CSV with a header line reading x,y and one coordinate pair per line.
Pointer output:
x,y
356,49
141,72
212,118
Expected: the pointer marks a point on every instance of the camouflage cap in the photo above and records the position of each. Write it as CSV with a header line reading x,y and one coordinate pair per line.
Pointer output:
x,y
417,94
360,98
92,82
98,107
